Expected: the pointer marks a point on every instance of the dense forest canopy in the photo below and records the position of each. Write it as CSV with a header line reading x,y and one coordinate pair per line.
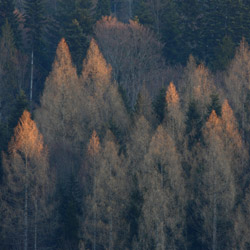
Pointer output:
x,y
124,124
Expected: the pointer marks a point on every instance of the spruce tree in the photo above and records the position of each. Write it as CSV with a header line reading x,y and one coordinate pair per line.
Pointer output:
x,y
7,13
75,21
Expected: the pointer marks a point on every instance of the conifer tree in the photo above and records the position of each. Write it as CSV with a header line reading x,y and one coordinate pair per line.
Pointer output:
x,y
162,186
8,72
75,22
219,186
144,106
105,103
8,13
137,149
174,118
109,201
35,25
23,201
59,101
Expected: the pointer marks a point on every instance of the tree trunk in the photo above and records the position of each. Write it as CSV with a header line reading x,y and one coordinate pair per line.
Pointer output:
x,y
95,208
110,216
31,78
214,222
26,207
35,236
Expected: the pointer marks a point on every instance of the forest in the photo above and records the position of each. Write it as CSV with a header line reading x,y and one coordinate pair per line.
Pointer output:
x,y
124,124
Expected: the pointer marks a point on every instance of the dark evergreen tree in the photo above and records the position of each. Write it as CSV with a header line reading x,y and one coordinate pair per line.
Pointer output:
x,y
175,49
70,210
214,105
103,8
8,72
35,25
193,125
159,105
7,12
76,21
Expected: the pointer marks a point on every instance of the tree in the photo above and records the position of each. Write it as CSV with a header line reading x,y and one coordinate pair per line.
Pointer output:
x,y
134,54
23,201
103,8
237,82
159,105
8,13
137,148
8,72
198,85
174,120
59,101
144,106
104,106
218,185
193,125
93,159
75,21
110,200
233,142
35,25
163,195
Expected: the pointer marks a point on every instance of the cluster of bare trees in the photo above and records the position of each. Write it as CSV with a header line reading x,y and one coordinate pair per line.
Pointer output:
x,y
178,183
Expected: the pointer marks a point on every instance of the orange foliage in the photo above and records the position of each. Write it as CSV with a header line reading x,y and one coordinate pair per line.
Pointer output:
x,y
172,95
94,144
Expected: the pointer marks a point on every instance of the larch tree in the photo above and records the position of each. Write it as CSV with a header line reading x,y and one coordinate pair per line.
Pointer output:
x,y
93,160
161,224
198,85
23,201
174,118
218,186
57,115
237,81
107,201
137,148
241,223
234,143
104,104
144,106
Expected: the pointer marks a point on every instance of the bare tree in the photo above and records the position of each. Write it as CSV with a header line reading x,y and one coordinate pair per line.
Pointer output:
x,y
134,54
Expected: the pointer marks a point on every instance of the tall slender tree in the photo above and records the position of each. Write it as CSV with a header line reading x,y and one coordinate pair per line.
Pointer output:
x,y
26,181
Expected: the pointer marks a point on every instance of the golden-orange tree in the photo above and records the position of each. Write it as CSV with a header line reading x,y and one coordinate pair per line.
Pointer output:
x,y
23,200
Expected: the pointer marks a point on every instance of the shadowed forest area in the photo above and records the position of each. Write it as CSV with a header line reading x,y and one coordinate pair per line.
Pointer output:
x,y
124,124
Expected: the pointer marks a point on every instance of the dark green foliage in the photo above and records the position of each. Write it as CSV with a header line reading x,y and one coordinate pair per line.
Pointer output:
x,y
174,48
8,72
35,25
103,8
75,21
134,213
70,210
124,97
214,105
21,104
193,125
7,127
159,105
224,54
7,14
34,22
